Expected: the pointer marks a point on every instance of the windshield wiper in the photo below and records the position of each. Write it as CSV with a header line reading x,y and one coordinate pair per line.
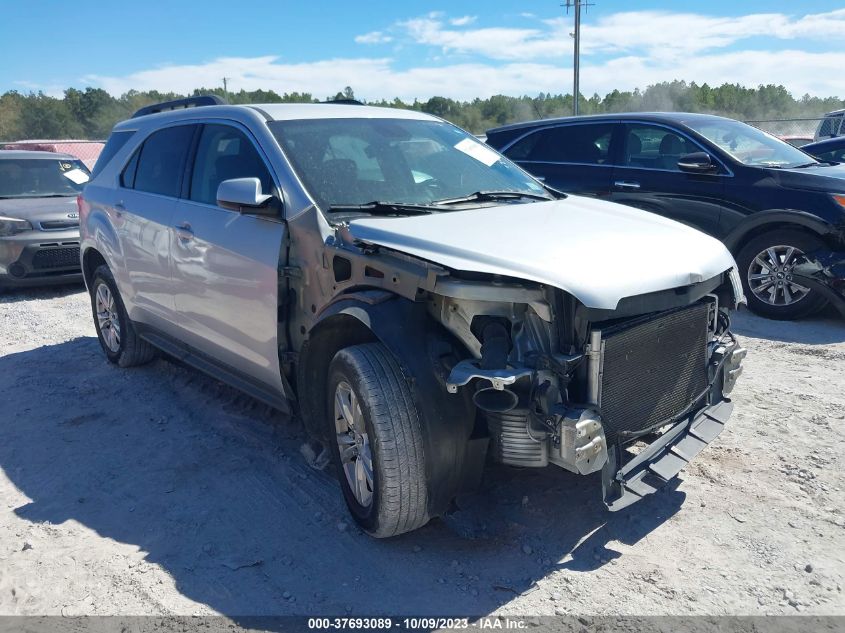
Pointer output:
x,y
484,196
377,207
804,165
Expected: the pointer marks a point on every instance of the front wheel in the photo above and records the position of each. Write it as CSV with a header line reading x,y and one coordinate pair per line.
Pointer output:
x,y
378,444
766,264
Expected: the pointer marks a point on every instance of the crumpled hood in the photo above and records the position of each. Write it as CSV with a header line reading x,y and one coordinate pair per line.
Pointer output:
x,y
598,251
39,208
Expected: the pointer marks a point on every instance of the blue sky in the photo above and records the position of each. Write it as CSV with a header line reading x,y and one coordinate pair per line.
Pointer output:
x,y
412,50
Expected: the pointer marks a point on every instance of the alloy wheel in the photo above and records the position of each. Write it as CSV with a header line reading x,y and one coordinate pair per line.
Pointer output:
x,y
107,319
356,456
770,276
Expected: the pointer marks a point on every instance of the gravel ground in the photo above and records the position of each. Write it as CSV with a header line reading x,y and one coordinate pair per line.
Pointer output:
x,y
159,491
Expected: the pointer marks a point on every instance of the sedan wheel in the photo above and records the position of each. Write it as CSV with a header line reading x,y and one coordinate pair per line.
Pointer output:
x,y
770,276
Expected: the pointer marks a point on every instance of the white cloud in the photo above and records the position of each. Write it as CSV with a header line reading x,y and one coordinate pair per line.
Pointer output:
x,y
492,42
463,21
376,78
682,33
373,37
622,51
664,33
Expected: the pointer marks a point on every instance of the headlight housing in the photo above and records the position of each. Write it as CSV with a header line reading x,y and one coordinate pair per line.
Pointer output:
x,y
839,198
12,226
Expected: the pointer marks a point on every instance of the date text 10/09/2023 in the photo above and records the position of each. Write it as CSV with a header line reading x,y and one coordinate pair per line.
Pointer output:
x,y
427,623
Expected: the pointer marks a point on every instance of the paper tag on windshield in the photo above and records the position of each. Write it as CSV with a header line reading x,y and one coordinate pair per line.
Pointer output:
x,y
479,152
76,176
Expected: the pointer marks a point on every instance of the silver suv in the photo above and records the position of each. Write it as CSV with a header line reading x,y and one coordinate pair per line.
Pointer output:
x,y
418,299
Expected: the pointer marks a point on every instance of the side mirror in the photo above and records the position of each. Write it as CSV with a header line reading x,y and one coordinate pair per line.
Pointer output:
x,y
697,163
244,195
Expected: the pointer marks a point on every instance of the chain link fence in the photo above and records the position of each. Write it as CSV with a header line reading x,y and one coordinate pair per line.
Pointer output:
x,y
86,151
796,131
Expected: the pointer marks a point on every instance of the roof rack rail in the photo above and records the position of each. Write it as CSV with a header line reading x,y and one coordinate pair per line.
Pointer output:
x,y
344,101
190,102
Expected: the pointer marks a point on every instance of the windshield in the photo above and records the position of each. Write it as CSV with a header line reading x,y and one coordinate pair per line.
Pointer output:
x,y
41,177
749,145
347,162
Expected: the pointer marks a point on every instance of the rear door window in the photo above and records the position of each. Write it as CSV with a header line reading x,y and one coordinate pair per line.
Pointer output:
x,y
161,161
586,144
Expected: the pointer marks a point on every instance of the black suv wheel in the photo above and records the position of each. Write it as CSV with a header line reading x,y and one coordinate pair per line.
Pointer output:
x,y
766,263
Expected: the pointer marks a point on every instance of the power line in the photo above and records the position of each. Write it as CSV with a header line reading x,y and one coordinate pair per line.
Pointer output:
x,y
576,5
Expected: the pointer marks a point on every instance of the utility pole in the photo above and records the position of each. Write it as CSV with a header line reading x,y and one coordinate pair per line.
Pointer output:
x,y
576,5
226,87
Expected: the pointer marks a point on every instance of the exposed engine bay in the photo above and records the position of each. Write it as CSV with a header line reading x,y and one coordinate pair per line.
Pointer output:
x,y
561,384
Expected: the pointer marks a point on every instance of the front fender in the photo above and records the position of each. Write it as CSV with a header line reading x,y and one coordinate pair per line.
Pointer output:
x,y
770,218
454,448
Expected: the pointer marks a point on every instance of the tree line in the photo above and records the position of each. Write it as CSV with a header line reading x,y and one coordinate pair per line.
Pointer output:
x,y
91,113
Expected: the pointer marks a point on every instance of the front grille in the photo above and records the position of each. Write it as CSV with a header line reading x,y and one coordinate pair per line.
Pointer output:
x,y
55,225
653,369
56,258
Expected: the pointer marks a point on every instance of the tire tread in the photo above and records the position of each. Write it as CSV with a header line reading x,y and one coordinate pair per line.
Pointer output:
x,y
403,504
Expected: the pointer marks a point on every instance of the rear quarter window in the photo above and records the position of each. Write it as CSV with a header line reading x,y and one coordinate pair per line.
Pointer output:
x,y
588,144
116,141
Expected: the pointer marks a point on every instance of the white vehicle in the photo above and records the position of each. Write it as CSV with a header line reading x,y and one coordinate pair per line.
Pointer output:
x,y
421,299
831,126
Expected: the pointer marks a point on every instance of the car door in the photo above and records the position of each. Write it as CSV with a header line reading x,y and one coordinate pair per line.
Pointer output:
x,y
226,263
648,177
575,158
149,187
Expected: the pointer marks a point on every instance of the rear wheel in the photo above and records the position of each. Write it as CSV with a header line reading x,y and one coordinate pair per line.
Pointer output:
x,y
378,447
115,331
766,264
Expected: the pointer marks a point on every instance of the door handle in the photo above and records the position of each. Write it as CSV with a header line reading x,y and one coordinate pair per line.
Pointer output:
x,y
184,232
626,184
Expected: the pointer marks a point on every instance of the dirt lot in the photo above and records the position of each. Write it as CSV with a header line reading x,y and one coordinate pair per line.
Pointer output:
x,y
158,491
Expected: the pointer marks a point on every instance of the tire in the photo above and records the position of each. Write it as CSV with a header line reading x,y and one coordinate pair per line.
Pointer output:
x,y
398,501
128,350
750,259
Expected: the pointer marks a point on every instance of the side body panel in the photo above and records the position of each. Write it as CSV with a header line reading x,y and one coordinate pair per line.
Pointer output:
x,y
225,284
142,223
694,199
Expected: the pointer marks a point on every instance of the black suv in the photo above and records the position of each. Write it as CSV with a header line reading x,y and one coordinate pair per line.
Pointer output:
x,y
779,210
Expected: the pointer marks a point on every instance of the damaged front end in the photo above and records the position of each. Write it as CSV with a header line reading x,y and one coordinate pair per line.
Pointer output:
x,y
634,393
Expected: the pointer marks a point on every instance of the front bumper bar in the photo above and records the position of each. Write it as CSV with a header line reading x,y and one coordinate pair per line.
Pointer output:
x,y
660,461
